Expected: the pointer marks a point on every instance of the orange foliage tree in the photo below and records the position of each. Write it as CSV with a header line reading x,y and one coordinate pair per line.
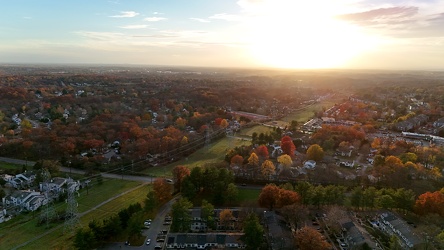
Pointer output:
x,y
430,203
308,238
162,191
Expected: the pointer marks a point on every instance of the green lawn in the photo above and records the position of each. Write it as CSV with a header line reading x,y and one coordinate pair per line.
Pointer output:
x,y
248,195
213,153
256,129
25,226
307,113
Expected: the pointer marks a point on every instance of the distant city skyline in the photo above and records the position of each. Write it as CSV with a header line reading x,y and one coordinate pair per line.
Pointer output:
x,y
355,34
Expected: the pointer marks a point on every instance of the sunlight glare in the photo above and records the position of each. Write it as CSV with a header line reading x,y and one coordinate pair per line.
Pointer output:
x,y
303,35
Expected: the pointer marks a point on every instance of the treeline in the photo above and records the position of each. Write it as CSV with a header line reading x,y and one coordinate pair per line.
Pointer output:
x,y
358,197
128,221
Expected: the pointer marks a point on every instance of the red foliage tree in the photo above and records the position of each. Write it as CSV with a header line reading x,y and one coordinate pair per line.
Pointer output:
x,y
288,146
262,152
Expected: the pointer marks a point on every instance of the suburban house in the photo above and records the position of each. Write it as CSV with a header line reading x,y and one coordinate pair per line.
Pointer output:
x,y
24,200
3,216
310,164
439,123
198,224
22,180
204,241
392,225
59,185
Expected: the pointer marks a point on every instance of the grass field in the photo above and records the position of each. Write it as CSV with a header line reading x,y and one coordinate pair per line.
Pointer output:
x,y
256,129
58,240
307,113
248,195
25,226
213,153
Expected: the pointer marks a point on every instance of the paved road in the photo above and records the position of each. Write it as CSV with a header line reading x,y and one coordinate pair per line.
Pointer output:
x,y
82,172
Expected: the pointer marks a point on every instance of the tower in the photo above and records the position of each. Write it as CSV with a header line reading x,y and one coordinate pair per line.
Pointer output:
x,y
71,215
48,213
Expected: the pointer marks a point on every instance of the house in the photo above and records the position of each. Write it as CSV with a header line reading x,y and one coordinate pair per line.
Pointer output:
x,y
4,216
392,225
204,241
439,123
22,180
24,200
310,164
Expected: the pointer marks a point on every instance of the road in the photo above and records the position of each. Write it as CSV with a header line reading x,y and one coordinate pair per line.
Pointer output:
x,y
151,233
82,172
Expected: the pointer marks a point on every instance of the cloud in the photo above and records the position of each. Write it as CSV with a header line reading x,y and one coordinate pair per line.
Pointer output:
x,y
124,14
100,36
157,13
200,20
134,26
225,16
154,19
437,18
392,15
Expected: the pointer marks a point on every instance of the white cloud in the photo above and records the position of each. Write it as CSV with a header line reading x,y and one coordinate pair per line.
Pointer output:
x,y
154,19
124,14
225,16
157,13
134,26
199,20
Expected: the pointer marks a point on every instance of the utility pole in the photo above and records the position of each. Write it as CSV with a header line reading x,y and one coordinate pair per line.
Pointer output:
x,y
72,220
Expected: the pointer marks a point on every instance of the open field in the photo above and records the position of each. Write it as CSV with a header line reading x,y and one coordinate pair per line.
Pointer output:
x,y
25,226
213,153
307,113
256,129
248,195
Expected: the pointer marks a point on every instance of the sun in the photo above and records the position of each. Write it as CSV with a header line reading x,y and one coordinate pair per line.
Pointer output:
x,y
302,36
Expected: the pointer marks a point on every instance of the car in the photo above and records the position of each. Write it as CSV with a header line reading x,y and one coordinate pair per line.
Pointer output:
x,y
158,246
148,241
243,184
167,223
127,243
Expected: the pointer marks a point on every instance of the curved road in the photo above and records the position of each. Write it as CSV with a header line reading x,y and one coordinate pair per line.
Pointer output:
x,y
79,171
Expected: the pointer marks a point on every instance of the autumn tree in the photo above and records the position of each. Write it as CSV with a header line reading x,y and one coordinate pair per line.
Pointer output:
x,y
308,238
237,160
315,152
253,160
262,153
268,168
226,218
287,197
285,161
288,146
162,191
179,174
429,202
268,197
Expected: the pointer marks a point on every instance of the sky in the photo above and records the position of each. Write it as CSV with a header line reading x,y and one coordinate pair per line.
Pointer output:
x,y
296,34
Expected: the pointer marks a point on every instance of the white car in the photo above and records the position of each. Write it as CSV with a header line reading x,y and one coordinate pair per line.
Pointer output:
x,y
148,241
